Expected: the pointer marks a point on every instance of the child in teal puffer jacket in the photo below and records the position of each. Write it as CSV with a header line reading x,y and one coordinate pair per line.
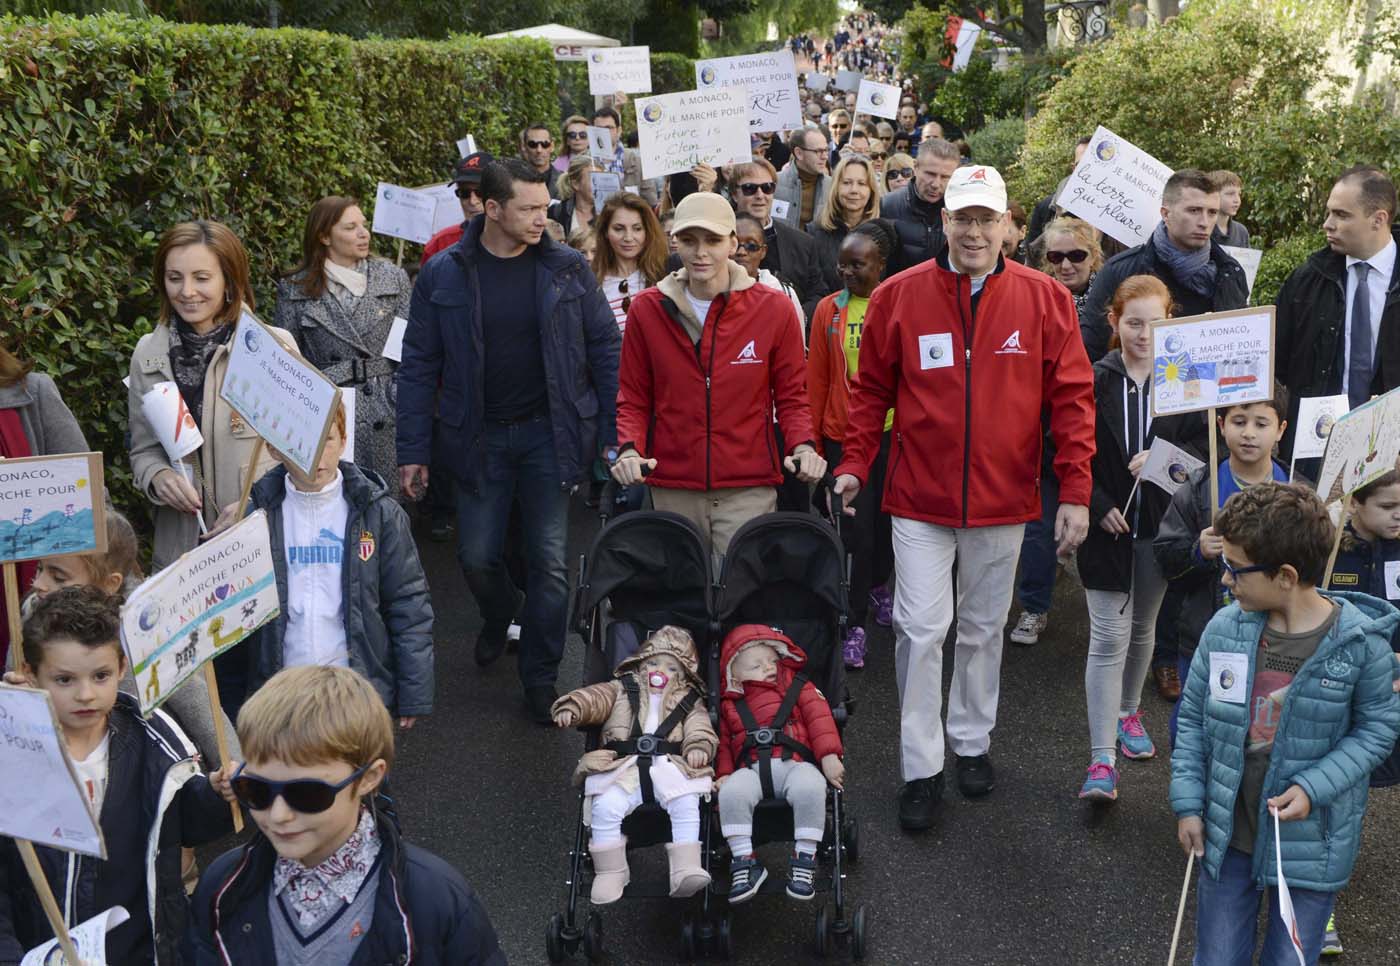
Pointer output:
x,y
1288,707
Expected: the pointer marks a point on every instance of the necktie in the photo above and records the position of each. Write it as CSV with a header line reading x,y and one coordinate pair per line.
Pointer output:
x,y
1359,349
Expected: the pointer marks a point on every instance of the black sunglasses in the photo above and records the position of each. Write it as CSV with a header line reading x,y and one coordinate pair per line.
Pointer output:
x,y
751,247
468,191
626,299
577,135
539,144
878,155
1075,257
902,173
753,188
309,796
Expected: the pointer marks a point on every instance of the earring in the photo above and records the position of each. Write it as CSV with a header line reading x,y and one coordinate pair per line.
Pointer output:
x,y
228,298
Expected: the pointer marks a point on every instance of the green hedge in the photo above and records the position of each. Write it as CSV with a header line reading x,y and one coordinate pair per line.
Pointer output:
x,y
112,129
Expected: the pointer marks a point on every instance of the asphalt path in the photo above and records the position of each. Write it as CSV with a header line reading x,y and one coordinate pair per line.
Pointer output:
x,y
1028,875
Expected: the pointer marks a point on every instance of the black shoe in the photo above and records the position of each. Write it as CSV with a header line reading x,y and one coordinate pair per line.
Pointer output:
x,y
538,701
976,776
918,801
441,530
491,642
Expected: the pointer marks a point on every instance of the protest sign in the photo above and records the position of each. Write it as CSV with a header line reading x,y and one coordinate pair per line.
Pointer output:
x,y
403,213
882,100
1168,465
817,81
466,146
675,132
1216,359
770,82
164,408
600,146
89,939
50,806
393,345
1117,188
282,396
605,184
1316,417
1285,899
347,399
447,207
1362,446
1249,259
51,505
198,607
614,70
848,80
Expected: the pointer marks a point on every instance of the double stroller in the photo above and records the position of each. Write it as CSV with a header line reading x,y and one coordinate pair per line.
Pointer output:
x,y
648,569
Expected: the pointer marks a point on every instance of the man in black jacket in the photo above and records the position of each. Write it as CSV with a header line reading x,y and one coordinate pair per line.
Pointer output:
x,y
1200,276
792,255
917,208
1319,348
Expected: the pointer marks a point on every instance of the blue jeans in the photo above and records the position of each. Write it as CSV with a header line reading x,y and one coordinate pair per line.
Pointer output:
x,y
1227,917
1038,567
518,463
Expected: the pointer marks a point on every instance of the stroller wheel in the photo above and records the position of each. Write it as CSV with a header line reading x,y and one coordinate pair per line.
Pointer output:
x,y
858,932
554,938
724,939
850,836
822,936
593,937
688,938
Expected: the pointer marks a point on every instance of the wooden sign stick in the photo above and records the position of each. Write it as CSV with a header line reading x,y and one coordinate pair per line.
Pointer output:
x,y
46,899
1214,467
399,261
12,615
1336,542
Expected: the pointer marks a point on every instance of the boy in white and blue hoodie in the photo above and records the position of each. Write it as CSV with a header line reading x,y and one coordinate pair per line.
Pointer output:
x,y
1289,705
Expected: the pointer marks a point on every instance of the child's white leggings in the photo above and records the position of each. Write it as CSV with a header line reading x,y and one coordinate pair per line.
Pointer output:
x,y
615,803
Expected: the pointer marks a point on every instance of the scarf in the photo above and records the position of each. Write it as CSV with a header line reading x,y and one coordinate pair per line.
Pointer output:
x,y
314,895
353,280
190,353
1194,270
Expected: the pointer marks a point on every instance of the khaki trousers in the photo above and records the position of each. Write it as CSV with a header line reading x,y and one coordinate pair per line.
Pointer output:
x,y
718,513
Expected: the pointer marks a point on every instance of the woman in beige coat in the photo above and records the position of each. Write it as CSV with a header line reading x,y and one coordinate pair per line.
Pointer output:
x,y
201,273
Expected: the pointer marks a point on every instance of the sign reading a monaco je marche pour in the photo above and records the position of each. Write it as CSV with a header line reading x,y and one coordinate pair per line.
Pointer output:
x,y
619,70
1216,359
403,213
770,82
51,506
42,801
1117,188
198,607
282,396
675,132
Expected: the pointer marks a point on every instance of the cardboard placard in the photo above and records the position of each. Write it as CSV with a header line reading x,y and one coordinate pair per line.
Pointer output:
x,y
614,70
600,146
848,80
447,207
52,506
816,81
466,146
89,938
164,408
284,398
198,607
605,184
1215,359
1168,465
1316,417
403,213
881,100
49,805
1249,259
1117,188
347,399
769,80
1362,446
675,132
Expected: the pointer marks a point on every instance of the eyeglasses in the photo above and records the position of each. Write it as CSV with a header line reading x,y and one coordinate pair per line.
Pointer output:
x,y
544,144
967,221
1237,572
309,796
752,188
905,173
577,135
1075,257
752,248
468,191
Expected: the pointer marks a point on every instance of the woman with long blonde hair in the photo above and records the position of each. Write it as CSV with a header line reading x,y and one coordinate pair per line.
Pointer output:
x,y
854,198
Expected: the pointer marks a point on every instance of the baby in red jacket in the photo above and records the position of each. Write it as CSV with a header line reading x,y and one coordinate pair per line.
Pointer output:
x,y
774,725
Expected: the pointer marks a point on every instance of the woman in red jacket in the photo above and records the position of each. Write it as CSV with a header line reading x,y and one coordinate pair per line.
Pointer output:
x,y
706,356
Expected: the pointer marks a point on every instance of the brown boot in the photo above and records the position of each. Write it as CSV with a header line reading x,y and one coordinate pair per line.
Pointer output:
x,y
610,872
1168,682
687,877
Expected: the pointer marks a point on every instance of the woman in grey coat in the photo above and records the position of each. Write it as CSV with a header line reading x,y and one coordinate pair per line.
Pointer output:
x,y
340,304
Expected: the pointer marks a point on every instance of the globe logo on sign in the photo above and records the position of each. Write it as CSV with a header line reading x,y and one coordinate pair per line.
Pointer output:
x,y
707,75
1174,343
1177,472
651,113
935,352
1107,150
878,98
148,616
1325,422
597,57
388,194
250,339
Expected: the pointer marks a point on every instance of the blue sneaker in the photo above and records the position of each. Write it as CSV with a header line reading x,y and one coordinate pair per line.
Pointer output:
x,y
802,876
1101,783
1133,741
747,876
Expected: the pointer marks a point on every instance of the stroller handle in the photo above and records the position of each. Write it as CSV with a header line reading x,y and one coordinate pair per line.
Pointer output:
x,y
607,499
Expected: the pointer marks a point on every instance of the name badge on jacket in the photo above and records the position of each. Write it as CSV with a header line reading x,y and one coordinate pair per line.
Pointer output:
x,y
936,351
1228,674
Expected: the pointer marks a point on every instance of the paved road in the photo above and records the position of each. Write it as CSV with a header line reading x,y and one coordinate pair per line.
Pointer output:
x,y
1029,875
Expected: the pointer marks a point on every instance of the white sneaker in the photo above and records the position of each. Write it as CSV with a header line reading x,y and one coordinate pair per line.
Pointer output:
x,y
1029,627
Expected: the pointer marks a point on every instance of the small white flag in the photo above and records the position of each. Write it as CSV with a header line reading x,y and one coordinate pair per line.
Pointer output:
x,y
1316,417
1168,465
1285,901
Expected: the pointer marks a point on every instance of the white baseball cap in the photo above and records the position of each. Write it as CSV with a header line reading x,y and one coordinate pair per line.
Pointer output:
x,y
975,185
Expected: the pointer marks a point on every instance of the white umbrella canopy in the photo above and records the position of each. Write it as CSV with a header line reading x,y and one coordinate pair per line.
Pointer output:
x,y
569,42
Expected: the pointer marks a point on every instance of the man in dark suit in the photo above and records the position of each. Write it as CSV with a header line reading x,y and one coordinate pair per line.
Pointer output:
x,y
792,255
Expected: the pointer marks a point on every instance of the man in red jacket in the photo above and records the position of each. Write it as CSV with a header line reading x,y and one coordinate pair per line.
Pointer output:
x,y
706,357
968,349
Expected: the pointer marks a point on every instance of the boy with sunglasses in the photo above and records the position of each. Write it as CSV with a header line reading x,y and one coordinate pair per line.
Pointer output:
x,y
1289,706
143,781
328,881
